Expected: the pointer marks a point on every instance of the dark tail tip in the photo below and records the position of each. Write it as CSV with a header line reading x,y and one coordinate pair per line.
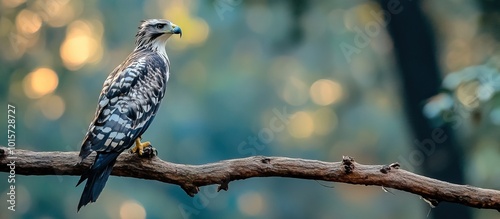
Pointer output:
x,y
96,177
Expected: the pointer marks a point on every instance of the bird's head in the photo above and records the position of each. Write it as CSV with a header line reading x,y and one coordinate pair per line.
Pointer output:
x,y
155,32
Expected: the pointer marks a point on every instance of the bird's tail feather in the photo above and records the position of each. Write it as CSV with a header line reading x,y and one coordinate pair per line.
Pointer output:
x,y
96,177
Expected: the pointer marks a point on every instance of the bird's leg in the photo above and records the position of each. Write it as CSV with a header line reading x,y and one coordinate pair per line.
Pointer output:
x,y
144,149
139,146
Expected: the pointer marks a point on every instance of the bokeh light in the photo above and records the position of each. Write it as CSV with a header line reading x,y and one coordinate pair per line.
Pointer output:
x,y
58,13
40,82
251,203
82,44
458,55
466,94
325,121
195,30
22,33
52,106
12,3
325,92
295,91
301,125
364,13
132,210
28,22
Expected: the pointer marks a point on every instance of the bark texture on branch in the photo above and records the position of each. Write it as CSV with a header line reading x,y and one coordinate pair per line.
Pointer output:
x,y
191,177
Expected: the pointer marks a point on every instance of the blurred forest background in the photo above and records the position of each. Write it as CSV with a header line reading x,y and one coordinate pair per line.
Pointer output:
x,y
361,78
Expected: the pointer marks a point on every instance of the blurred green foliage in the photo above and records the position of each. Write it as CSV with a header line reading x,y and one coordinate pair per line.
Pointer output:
x,y
239,66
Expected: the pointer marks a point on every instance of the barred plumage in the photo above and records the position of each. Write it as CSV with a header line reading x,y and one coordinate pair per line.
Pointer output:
x,y
128,103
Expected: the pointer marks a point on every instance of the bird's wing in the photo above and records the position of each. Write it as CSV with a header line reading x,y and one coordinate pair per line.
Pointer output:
x,y
127,104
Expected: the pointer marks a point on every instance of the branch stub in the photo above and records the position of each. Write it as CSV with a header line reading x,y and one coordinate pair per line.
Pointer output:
x,y
348,163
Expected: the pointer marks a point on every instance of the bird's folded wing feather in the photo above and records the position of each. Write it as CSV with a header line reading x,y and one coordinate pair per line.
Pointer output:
x,y
127,104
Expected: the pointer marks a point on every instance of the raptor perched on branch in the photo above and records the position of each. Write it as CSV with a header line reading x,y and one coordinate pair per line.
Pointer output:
x,y
128,103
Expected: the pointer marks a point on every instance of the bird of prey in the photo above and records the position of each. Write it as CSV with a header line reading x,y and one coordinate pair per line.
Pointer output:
x,y
127,105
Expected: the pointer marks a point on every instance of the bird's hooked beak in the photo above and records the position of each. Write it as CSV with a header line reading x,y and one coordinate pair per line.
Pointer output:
x,y
176,30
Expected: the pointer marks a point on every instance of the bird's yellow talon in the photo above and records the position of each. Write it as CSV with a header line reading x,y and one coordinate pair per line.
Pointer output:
x,y
139,147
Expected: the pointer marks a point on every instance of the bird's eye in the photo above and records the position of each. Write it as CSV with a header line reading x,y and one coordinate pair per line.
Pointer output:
x,y
160,26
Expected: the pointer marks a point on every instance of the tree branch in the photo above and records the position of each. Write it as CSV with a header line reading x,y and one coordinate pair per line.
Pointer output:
x,y
190,177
